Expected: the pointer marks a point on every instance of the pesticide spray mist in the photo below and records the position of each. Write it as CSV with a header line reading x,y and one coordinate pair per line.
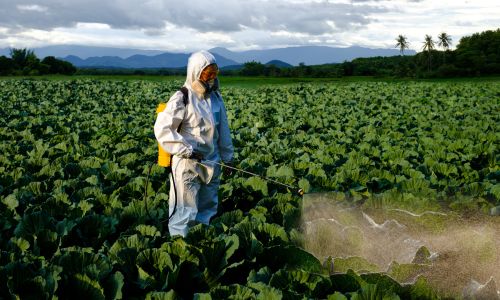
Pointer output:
x,y
463,252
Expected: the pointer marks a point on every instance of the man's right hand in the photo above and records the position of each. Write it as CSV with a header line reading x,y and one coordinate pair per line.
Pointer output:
x,y
196,155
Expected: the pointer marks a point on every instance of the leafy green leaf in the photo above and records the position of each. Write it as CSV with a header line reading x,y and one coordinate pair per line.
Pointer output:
x,y
113,286
11,202
346,282
373,291
21,243
265,292
421,290
76,261
304,185
277,257
148,230
234,291
355,263
82,286
301,282
93,180
406,272
170,295
263,275
337,296
422,256
202,296
283,171
257,184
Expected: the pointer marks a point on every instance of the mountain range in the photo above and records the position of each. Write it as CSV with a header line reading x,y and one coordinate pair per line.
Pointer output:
x,y
164,60
105,57
309,55
84,52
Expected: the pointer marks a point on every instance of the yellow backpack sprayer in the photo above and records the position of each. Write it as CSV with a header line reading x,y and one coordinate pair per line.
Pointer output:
x,y
165,158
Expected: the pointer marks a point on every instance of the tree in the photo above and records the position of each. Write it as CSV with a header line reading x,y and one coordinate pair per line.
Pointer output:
x,y
428,46
479,53
57,66
444,41
253,68
6,65
402,43
25,62
23,57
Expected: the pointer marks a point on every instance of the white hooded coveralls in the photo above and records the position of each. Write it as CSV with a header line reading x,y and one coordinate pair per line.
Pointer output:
x,y
205,129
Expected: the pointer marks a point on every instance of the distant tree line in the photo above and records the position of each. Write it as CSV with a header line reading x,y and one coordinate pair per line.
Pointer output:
x,y
475,55
25,62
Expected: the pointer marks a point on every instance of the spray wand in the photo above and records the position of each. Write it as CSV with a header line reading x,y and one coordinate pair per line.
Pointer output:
x,y
299,191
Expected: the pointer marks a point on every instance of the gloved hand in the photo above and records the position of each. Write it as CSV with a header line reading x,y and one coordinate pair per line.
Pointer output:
x,y
227,171
196,155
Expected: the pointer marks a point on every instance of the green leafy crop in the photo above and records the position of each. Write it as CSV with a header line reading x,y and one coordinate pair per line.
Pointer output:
x,y
74,160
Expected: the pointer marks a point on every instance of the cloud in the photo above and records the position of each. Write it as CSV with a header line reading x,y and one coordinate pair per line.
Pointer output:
x,y
216,15
33,7
464,23
239,25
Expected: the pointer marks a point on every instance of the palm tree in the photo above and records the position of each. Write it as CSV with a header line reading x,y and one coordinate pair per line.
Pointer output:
x,y
402,43
444,41
428,46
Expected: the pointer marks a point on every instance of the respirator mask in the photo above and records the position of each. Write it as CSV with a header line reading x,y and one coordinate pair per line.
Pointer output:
x,y
204,88
207,82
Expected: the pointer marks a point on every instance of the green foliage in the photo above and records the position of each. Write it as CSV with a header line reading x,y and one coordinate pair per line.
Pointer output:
x,y
74,166
25,62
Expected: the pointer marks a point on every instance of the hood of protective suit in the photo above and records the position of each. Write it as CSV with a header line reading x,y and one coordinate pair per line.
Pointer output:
x,y
196,63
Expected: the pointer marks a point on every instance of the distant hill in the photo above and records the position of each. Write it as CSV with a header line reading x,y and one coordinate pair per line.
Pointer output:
x,y
310,55
4,51
278,63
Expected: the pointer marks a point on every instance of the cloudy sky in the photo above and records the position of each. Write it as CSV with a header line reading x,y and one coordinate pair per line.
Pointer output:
x,y
183,26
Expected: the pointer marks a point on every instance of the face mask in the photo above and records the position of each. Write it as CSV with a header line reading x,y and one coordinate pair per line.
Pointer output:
x,y
202,88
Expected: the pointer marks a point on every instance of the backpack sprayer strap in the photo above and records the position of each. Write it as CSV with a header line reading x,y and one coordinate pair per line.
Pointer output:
x,y
185,99
170,169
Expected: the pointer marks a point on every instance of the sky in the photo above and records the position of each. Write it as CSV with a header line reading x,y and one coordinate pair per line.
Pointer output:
x,y
190,25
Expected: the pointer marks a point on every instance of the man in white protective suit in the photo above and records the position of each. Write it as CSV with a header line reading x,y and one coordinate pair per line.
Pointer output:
x,y
196,134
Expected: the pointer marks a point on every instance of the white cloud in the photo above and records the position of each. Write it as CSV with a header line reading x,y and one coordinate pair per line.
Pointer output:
x,y
32,7
283,33
215,38
92,26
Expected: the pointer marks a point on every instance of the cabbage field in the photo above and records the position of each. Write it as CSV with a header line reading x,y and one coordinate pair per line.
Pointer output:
x,y
81,218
